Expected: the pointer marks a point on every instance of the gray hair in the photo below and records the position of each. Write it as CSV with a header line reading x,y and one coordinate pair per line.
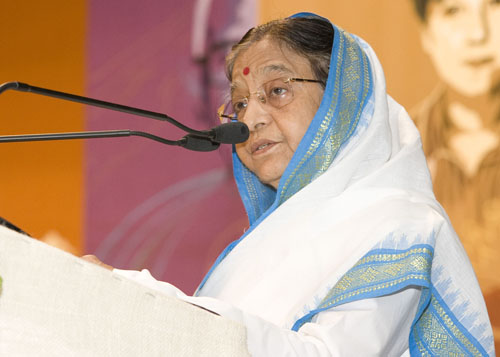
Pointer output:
x,y
310,37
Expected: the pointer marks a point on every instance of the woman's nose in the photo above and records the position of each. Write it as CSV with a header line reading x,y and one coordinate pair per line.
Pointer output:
x,y
256,116
478,29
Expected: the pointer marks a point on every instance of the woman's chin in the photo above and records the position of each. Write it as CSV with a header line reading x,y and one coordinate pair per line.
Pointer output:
x,y
270,179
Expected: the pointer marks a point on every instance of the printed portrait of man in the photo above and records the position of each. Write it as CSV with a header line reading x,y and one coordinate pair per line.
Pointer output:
x,y
460,127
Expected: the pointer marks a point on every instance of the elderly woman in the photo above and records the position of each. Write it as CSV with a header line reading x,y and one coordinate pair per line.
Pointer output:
x,y
348,252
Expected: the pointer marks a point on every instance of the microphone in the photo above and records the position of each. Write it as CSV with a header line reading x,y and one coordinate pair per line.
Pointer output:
x,y
229,133
190,141
198,143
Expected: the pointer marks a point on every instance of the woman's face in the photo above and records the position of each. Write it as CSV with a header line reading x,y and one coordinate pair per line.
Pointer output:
x,y
274,133
462,37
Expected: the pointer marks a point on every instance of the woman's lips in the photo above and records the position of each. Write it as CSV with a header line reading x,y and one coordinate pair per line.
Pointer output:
x,y
262,146
478,62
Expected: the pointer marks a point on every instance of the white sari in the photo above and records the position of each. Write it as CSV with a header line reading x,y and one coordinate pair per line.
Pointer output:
x,y
352,255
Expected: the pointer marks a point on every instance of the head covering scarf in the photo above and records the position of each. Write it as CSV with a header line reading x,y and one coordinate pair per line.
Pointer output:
x,y
353,217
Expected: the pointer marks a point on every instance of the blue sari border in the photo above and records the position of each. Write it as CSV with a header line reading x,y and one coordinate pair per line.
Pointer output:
x,y
380,272
436,331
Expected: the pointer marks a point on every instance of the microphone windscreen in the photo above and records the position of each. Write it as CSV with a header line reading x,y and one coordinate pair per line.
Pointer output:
x,y
199,143
231,133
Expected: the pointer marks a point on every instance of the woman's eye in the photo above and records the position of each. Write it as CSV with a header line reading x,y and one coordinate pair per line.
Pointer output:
x,y
451,10
238,106
277,91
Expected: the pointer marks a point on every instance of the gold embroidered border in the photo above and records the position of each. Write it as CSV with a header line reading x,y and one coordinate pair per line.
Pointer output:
x,y
323,126
450,325
413,264
348,117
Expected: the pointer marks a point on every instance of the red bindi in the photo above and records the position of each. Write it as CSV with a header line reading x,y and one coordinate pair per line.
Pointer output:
x,y
246,70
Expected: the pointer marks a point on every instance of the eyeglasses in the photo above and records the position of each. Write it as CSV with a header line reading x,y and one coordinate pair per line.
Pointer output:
x,y
273,94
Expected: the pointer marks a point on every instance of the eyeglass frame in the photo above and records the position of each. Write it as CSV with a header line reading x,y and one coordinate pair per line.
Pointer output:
x,y
220,112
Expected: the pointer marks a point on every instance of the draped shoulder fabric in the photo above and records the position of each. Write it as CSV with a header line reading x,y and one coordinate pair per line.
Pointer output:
x,y
353,218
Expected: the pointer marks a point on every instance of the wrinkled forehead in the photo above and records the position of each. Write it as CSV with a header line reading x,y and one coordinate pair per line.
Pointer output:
x,y
270,71
267,60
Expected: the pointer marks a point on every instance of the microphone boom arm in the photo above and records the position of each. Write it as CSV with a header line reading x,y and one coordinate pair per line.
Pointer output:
x,y
190,141
81,135
198,140
23,87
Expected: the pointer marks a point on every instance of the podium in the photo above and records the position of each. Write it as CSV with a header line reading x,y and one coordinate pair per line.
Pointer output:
x,y
55,304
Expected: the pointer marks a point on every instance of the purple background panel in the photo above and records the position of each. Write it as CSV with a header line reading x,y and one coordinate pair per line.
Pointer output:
x,y
149,205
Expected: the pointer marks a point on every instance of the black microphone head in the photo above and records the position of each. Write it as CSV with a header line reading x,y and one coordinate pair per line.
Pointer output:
x,y
230,133
198,143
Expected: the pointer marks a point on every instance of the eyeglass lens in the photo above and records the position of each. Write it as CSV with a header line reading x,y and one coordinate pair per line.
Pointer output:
x,y
275,93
